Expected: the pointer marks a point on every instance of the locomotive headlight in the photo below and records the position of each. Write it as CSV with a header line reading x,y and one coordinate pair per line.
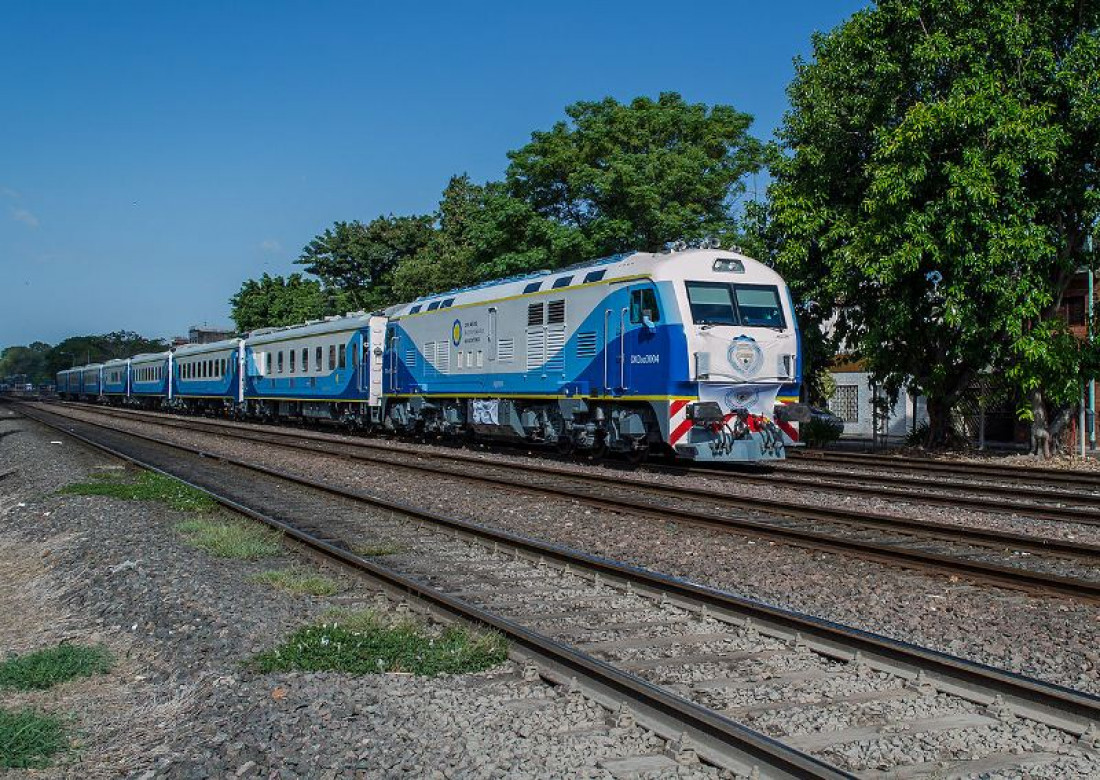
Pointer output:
x,y
729,265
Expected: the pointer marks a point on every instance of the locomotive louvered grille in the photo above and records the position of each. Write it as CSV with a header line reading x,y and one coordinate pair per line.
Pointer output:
x,y
410,357
556,312
536,314
555,348
506,350
586,344
443,356
429,354
536,347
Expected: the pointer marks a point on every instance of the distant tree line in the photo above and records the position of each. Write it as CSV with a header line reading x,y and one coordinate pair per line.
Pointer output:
x,y
40,362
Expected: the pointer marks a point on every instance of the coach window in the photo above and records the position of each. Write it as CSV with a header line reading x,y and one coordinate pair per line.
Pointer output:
x,y
331,357
267,363
280,361
319,357
354,354
293,352
305,360
643,303
342,357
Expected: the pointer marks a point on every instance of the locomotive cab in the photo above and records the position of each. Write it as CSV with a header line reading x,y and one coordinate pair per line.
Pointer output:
x,y
742,346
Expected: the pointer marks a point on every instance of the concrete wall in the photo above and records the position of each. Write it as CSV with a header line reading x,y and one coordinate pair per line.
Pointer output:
x,y
853,402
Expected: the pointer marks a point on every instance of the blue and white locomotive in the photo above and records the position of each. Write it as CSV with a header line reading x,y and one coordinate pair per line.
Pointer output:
x,y
678,352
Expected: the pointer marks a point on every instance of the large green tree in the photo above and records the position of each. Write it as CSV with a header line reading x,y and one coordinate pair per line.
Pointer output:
x,y
940,183
482,232
641,175
29,361
272,301
359,260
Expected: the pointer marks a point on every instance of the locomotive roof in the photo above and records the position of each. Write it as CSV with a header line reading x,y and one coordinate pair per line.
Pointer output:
x,y
658,265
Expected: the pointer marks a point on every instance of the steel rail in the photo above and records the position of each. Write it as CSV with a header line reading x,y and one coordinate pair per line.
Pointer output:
x,y
1040,504
721,741
891,554
1057,706
1037,474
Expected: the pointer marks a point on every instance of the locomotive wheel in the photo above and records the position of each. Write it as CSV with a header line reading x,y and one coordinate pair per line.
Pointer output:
x,y
565,445
636,456
594,454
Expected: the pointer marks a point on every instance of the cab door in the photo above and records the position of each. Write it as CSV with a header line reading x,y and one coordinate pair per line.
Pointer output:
x,y
641,344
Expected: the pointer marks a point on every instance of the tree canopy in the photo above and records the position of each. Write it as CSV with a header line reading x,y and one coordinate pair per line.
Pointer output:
x,y
939,187
360,260
641,175
271,301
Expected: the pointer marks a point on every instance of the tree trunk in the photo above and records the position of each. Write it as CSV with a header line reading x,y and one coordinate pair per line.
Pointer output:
x,y
939,422
1040,428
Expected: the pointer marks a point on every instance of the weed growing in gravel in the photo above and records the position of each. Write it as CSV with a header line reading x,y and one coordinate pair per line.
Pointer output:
x,y
149,486
298,581
378,549
45,668
231,538
364,643
27,740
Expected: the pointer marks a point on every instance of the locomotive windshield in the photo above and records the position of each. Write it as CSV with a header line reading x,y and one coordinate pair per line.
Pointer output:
x,y
749,305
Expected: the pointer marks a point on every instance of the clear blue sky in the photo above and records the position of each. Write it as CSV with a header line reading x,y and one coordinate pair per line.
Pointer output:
x,y
155,155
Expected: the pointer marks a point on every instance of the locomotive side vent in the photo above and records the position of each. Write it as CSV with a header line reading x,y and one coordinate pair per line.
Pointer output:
x,y
535,314
555,347
536,347
586,344
556,313
506,349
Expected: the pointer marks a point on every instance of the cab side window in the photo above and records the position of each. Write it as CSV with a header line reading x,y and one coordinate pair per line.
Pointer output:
x,y
643,303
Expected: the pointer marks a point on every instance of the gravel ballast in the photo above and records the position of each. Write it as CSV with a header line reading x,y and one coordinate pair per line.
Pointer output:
x,y
180,701
1053,639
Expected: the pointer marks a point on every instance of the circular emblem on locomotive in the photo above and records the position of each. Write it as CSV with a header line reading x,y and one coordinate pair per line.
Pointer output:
x,y
741,398
745,356
456,333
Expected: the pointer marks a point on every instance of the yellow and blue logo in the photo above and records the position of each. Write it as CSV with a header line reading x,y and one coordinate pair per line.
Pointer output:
x,y
456,332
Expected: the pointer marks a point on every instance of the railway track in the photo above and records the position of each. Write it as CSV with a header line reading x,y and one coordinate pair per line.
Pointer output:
x,y
683,658
1032,563
1076,506
1031,475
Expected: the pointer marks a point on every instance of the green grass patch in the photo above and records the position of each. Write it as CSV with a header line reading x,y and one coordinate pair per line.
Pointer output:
x,y
377,549
231,538
298,581
27,739
149,486
365,643
46,668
